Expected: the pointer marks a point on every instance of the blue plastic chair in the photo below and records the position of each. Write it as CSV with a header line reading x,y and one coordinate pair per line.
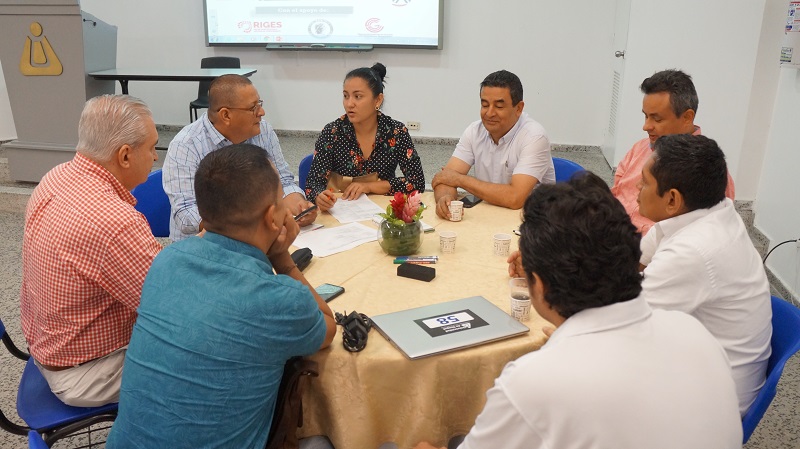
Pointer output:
x,y
565,168
153,202
305,167
785,343
42,411
35,441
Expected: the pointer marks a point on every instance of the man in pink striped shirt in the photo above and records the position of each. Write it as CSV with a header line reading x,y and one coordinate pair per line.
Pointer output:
x,y
86,251
669,107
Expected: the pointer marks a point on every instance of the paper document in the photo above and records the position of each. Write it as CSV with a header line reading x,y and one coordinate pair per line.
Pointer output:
x,y
325,242
359,209
309,228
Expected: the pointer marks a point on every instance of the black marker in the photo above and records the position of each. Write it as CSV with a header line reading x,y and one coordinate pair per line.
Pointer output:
x,y
304,213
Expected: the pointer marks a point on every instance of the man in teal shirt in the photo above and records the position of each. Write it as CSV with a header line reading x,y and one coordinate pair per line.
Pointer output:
x,y
220,315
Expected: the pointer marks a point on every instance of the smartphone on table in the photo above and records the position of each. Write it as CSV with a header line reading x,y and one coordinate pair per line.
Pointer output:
x,y
329,291
470,200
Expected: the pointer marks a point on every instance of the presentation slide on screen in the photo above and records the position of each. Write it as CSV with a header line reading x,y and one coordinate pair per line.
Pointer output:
x,y
377,22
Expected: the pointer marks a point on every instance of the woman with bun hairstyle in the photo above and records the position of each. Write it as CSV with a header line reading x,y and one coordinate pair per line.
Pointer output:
x,y
360,151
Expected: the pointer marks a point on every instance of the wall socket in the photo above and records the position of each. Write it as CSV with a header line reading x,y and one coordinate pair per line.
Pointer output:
x,y
413,126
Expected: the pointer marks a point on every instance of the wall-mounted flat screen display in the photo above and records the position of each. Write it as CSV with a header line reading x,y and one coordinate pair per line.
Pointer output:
x,y
321,24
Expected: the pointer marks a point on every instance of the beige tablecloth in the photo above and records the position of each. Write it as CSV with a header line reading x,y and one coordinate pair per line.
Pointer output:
x,y
364,399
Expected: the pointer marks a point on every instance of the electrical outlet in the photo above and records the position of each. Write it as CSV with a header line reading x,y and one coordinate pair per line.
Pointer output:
x,y
413,126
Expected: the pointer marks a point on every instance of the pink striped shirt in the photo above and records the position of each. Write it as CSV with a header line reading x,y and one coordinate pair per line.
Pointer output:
x,y
629,174
85,254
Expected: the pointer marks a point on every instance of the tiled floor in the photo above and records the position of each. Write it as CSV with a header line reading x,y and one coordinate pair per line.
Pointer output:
x,y
780,427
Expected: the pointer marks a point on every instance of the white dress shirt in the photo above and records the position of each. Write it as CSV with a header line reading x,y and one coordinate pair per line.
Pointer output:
x,y
704,263
523,150
621,376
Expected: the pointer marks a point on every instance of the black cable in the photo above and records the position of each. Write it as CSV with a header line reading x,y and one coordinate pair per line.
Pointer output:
x,y
776,247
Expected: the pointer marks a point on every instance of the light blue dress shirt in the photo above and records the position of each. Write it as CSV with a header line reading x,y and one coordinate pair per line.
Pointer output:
x,y
194,142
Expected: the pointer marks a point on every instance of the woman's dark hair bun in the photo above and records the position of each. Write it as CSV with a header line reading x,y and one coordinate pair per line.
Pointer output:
x,y
380,69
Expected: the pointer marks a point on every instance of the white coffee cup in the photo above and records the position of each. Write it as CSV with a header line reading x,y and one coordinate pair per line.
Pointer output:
x,y
520,300
456,210
502,244
447,241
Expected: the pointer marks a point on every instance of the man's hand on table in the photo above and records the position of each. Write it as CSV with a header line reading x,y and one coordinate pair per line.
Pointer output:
x,y
448,177
443,206
297,203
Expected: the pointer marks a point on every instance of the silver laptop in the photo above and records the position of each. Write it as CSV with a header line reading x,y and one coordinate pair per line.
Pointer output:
x,y
447,326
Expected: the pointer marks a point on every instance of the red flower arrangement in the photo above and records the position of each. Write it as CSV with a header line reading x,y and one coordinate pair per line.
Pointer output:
x,y
404,208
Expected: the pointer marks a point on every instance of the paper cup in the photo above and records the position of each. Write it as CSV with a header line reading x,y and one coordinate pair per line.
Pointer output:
x,y
502,244
520,300
456,210
447,241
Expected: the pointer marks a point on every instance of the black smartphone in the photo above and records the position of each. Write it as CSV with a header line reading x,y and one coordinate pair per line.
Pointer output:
x,y
329,291
470,200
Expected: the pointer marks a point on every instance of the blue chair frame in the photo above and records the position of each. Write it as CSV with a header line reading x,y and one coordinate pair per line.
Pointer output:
x,y
565,168
42,411
153,203
35,441
785,343
305,168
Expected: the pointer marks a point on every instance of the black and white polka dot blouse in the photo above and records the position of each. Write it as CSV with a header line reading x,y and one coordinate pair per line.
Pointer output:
x,y
337,150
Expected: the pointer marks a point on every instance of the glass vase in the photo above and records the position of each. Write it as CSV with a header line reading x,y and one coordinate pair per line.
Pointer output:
x,y
400,239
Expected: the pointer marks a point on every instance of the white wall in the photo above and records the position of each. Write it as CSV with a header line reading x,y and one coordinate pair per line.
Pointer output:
x,y
7,129
777,211
561,51
717,43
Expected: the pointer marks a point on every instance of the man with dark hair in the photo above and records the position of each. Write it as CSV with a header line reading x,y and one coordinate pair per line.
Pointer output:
x,y
509,150
699,258
220,315
235,115
669,106
615,373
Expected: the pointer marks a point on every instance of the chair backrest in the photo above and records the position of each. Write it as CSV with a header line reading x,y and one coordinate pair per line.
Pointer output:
x,y
785,343
305,167
565,168
153,202
215,62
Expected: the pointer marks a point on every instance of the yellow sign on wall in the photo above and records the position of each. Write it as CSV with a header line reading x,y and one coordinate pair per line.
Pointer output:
x,y
38,56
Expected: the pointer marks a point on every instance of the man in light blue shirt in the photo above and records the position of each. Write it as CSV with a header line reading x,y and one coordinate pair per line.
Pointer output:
x,y
235,115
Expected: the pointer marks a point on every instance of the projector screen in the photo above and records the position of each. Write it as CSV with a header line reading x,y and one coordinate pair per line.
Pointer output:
x,y
324,24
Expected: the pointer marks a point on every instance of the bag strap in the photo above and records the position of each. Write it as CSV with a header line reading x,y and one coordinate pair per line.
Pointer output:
x,y
288,415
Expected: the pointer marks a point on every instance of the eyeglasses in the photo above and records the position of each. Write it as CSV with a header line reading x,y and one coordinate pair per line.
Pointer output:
x,y
259,104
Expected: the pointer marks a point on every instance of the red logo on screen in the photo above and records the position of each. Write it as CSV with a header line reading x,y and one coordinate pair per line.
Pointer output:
x,y
400,2
373,25
245,26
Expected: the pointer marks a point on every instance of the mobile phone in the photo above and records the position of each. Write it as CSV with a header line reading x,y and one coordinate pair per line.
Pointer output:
x,y
304,213
470,200
329,291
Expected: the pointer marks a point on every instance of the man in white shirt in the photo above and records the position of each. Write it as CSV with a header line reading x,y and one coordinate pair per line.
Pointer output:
x,y
615,373
509,150
700,259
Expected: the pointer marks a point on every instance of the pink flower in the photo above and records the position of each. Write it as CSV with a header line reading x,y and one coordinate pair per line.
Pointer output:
x,y
411,207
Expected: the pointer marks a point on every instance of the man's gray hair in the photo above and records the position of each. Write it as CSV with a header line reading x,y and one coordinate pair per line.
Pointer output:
x,y
110,121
